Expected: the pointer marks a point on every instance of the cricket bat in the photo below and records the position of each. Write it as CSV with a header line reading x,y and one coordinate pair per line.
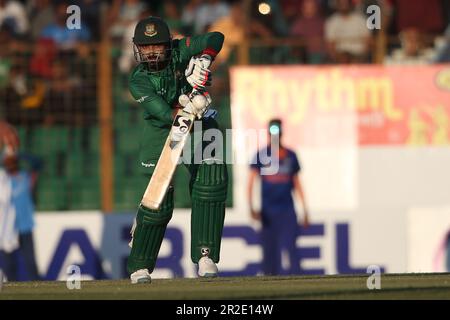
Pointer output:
x,y
168,160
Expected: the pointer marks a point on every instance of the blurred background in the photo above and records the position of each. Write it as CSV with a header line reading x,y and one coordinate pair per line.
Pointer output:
x,y
376,161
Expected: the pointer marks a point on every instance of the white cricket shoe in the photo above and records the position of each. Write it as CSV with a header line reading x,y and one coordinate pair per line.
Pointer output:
x,y
140,276
207,268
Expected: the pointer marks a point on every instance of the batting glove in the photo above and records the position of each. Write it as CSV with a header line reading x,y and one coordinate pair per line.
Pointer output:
x,y
197,73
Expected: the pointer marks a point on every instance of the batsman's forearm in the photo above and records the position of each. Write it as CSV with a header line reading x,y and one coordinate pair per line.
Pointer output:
x,y
209,43
214,42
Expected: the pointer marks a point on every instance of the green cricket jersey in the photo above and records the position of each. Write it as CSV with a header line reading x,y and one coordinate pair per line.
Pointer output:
x,y
158,92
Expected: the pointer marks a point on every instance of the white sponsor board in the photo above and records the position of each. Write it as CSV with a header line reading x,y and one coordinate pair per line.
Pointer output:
x,y
384,226
429,240
98,242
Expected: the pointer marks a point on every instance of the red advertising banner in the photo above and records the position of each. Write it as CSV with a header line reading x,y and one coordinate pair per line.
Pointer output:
x,y
336,105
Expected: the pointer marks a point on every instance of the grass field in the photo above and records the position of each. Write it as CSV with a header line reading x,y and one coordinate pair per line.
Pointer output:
x,y
393,286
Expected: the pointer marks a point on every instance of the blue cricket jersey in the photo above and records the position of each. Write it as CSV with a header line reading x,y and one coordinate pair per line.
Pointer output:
x,y
22,200
276,189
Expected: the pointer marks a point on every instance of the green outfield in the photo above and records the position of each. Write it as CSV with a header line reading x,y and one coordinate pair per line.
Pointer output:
x,y
393,286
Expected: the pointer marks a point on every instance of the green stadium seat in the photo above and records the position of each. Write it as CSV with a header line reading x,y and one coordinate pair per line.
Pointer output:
x,y
128,194
126,165
94,139
22,133
79,139
75,165
53,166
49,141
85,194
51,195
123,119
85,139
127,140
82,165
119,165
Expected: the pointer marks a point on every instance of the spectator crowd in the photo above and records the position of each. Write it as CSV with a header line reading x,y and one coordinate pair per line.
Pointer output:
x,y
48,72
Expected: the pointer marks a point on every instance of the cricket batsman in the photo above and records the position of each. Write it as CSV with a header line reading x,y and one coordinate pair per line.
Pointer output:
x,y
168,71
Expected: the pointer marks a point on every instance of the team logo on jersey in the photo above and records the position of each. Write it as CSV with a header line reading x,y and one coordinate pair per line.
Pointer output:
x,y
150,30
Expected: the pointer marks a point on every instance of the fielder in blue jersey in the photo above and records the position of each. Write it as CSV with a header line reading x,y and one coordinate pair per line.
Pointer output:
x,y
21,183
278,217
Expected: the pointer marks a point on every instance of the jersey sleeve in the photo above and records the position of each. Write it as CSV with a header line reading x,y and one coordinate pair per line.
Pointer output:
x,y
296,167
209,43
154,106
